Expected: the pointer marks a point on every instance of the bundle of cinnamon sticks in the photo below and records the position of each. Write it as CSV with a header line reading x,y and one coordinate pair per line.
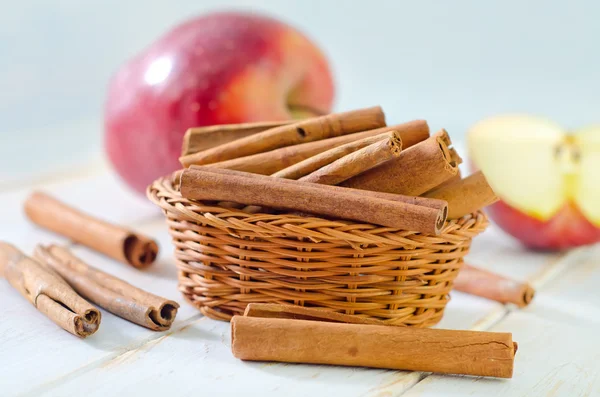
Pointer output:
x,y
59,284
347,165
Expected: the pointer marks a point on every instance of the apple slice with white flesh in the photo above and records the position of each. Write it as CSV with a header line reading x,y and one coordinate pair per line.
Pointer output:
x,y
548,181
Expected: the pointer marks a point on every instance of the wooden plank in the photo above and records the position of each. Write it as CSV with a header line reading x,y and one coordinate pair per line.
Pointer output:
x,y
554,359
101,195
27,338
173,361
34,178
199,357
568,291
496,251
466,311
127,356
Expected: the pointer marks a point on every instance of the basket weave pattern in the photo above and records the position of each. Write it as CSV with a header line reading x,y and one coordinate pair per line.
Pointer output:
x,y
228,259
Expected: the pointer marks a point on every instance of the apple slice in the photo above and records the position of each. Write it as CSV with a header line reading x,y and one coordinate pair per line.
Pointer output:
x,y
518,155
586,187
547,180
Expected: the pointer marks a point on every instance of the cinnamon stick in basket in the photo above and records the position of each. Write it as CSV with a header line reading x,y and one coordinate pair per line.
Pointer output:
x,y
115,241
466,195
270,162
313,163
417,170
308,130
202,138
378,346
449,181
48,292
203,183
345,167
479,282
109,292
413,200
357,162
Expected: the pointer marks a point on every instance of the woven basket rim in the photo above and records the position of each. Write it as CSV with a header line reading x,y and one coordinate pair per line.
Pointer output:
x,y
228,258
163,193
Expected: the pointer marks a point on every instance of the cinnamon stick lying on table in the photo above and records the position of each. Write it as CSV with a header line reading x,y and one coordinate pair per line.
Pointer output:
x,y
204,183
270,310
308,130
109,292
417,170
357,162
379,346
48,292
275,160
202,138
466,195
115,241
479,282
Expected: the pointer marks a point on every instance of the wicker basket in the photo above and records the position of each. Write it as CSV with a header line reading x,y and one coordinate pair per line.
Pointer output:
x,y
228,258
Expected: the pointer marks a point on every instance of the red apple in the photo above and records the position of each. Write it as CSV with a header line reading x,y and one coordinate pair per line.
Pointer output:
x,y
216,69
547,180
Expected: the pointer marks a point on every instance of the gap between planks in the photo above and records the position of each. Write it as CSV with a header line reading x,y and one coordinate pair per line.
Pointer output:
x,y
88,171
126,353
554,268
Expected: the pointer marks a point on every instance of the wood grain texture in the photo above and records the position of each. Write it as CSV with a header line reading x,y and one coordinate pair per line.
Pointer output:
x,y
130,358
203,347
20,342
554,359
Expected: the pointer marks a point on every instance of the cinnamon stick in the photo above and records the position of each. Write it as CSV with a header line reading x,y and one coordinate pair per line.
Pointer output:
x,y
203,183
308,130
313,163
270,310
378,346
413,200
339,164
447,182
109,292
357,162
466,195
202,138
479,282
49,293
275,160
416,171
114,241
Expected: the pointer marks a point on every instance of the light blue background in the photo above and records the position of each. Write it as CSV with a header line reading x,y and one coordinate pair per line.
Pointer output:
x,y
451,62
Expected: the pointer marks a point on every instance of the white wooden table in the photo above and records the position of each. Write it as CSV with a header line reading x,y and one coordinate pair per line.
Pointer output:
x,y
557,335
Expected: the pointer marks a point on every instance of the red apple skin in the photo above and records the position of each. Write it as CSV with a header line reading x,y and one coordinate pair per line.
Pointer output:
x,y
216,69
568,228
